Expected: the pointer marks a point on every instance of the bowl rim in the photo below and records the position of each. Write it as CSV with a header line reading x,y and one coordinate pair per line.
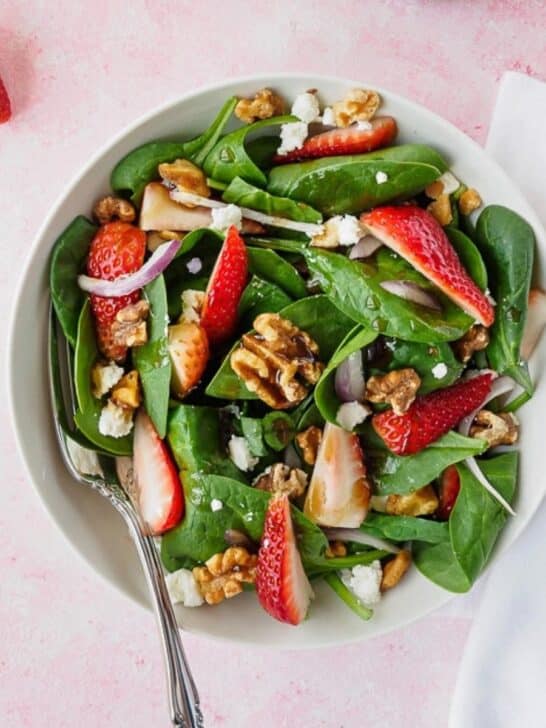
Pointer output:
x,y
225,85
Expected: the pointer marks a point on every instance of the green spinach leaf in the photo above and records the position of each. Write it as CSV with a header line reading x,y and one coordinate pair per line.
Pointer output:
x,y
424,358
244,194
272,267
405,528
469,255
260,297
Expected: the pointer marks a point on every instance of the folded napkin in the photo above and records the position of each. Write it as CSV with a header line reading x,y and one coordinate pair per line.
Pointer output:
x,y
502,678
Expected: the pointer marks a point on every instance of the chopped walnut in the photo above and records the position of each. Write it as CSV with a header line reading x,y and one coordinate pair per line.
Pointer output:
x,y
434,189
155,238
469,201
395,569
113,208
421,502
359,105
495,429
281,479
397,388
127,393
265,104
129,327
475,339
279,362
328,237
308,441
223,574
186,176
441,210
335,549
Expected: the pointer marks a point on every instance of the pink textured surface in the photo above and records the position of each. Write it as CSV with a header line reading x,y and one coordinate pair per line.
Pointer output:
x,y
73,652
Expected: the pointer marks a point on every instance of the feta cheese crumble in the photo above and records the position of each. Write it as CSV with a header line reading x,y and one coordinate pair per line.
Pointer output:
x,y
439,370
351,414
306,107
115,421
328,118
364,582
292,136
192,303
381,177
240,454
364,126
216,505
194,265
349,230
225,217
105,377
183,589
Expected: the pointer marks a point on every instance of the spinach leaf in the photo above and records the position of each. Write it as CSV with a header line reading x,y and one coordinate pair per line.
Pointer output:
x,y
152,359
340,185
347,596
67,260
474,526
229,158
176,289
469,255
260,297
310,314
326,398
405,473
423,358
405,528
354,287
89,408
272,267
507,243
244,194
132,173
262,150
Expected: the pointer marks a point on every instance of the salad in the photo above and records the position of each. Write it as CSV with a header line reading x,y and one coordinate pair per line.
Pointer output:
x,y
305,345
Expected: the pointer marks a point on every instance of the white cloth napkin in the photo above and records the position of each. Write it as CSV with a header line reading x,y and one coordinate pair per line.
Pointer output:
x,y
502,678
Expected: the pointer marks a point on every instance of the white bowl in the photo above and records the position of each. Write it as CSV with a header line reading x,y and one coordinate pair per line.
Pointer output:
x,y
90,524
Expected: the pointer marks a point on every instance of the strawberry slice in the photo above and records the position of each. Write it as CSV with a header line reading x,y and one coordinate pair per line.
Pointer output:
x,y
226,284
432,415
157,491
282,585
417,236
116,250
5,104
450,484
350,140
189,353
339,492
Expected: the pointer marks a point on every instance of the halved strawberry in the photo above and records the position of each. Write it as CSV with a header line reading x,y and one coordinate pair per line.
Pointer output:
x,y
5,104
350,140
450,484
339,492
432,415
157,489
116,250
282,585
419,238
189,353
226,284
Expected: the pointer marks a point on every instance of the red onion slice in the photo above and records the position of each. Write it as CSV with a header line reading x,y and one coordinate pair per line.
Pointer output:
x,y
410,291
365,247
349,380
155,265
357,536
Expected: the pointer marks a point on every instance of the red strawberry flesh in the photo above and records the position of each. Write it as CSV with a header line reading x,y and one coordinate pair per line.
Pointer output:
x,y
350,140
418,237
450,484
5,104
431,415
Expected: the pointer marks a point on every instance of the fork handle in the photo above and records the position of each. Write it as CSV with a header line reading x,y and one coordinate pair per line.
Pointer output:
x,y
183,697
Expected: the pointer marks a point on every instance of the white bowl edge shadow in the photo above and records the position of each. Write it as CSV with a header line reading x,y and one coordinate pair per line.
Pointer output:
x,y
89,523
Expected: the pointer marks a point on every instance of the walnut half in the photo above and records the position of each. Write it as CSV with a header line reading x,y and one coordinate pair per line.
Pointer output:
x,y
475,339
397,388
186,176
265,104
395,569
113,208
129,327
308,441
223,574
279,362
280,479
501,429
422,502
360,104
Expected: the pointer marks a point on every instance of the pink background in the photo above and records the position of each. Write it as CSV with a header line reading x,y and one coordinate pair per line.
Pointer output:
x,y
72,650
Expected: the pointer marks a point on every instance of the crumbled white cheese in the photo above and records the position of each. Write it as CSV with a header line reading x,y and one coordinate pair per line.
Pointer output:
x,y
86,461
194,265
450,183
364,582
351,414
115,421
292,136
328,118
225,217
182,588
216,505
349,230
192,304
306,107
240,454
439,370
105,377
381,177
364,126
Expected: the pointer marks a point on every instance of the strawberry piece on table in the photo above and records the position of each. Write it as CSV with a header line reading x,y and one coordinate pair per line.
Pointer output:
x,y
282,585
116,250
419,238
350,140
225,287
157,492
432,415
189,353
5,104
339,492
450,484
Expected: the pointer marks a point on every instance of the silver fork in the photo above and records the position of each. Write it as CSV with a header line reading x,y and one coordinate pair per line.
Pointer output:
x,y
184,706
